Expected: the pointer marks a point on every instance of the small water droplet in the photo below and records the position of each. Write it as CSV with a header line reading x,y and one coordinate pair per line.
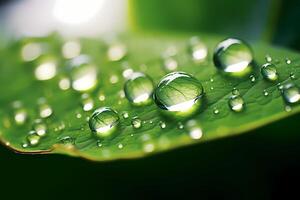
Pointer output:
x,y
136,123
288,61
33,139
197,49
40,128
279,86
194,130
99,143
31,51
265,93
64,84
46,70
138,89
78,115
120,146
20,116
179,94
216,111
87,102
180,125
162,125
291,93
288,108
269,72
125,115
148,147
101,97
233,57
235,91
71,49
211,80
252,78
67,140
292,76
127,73
104,122
45,110
236,103
83,73
116,51
268,58
170,64
114,79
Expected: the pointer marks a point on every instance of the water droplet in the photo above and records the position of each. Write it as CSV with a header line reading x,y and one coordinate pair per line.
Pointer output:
x,y
83,73
116,52
87,102
195,131
233,57
216,111
31,51
292,76
148,147
46,70
138,89
180,125
235,91
288,61
197,49
236,103
170,63
125,115
71,49
162,124
179,94
78,115
67,140
266,93
211,80
127,73
211,88
99,143
136,123
268,58
45,110
114,79
104,122
120,146
101,97
33,139
40,128
20,116
64,84
269,72
252,78
288,108
279,86
291,93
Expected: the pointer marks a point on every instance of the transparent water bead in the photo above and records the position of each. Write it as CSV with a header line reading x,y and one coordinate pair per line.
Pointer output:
x,y
87,102
104,122
40,128
31,51
138,89
236,103
33,139
116,51
194,129
179,94
233,56
46,69
136,122
197,49
269,72
83,73
291,93
20,113
71,49
170,63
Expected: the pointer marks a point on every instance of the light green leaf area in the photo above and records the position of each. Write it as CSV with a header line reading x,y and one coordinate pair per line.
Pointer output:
x,y
67,128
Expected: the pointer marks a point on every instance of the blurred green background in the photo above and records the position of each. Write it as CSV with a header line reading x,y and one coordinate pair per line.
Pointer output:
x,y
261,164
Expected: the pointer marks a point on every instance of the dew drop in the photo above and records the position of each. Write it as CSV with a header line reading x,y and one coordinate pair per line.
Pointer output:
x,y
268,58
170,63
127,73
136,123
138,89
83,73
288,108
291,93
288,61
99,143
292,76
20,116
40,128
197,49
46,70
125,115
269,72
216,111
236,103
31,51
235,91
179,94
116,52
180,125
252,78
194,130
265,93
71,49
33,139
104,122
148,147
233,57
101,97
64,84
114,79
120,146
67,140
45,110
162,125
87,102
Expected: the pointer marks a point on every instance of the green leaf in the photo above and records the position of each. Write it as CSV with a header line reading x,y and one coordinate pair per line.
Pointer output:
x,y
69,134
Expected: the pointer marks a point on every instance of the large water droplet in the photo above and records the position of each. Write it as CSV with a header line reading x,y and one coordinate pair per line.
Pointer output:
x,y
233,57
83,73
138,89
291,93
179,94
104,122
269,72
197,49
236,103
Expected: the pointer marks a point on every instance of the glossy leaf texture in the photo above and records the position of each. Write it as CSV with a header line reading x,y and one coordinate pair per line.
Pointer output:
x,y
67,129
